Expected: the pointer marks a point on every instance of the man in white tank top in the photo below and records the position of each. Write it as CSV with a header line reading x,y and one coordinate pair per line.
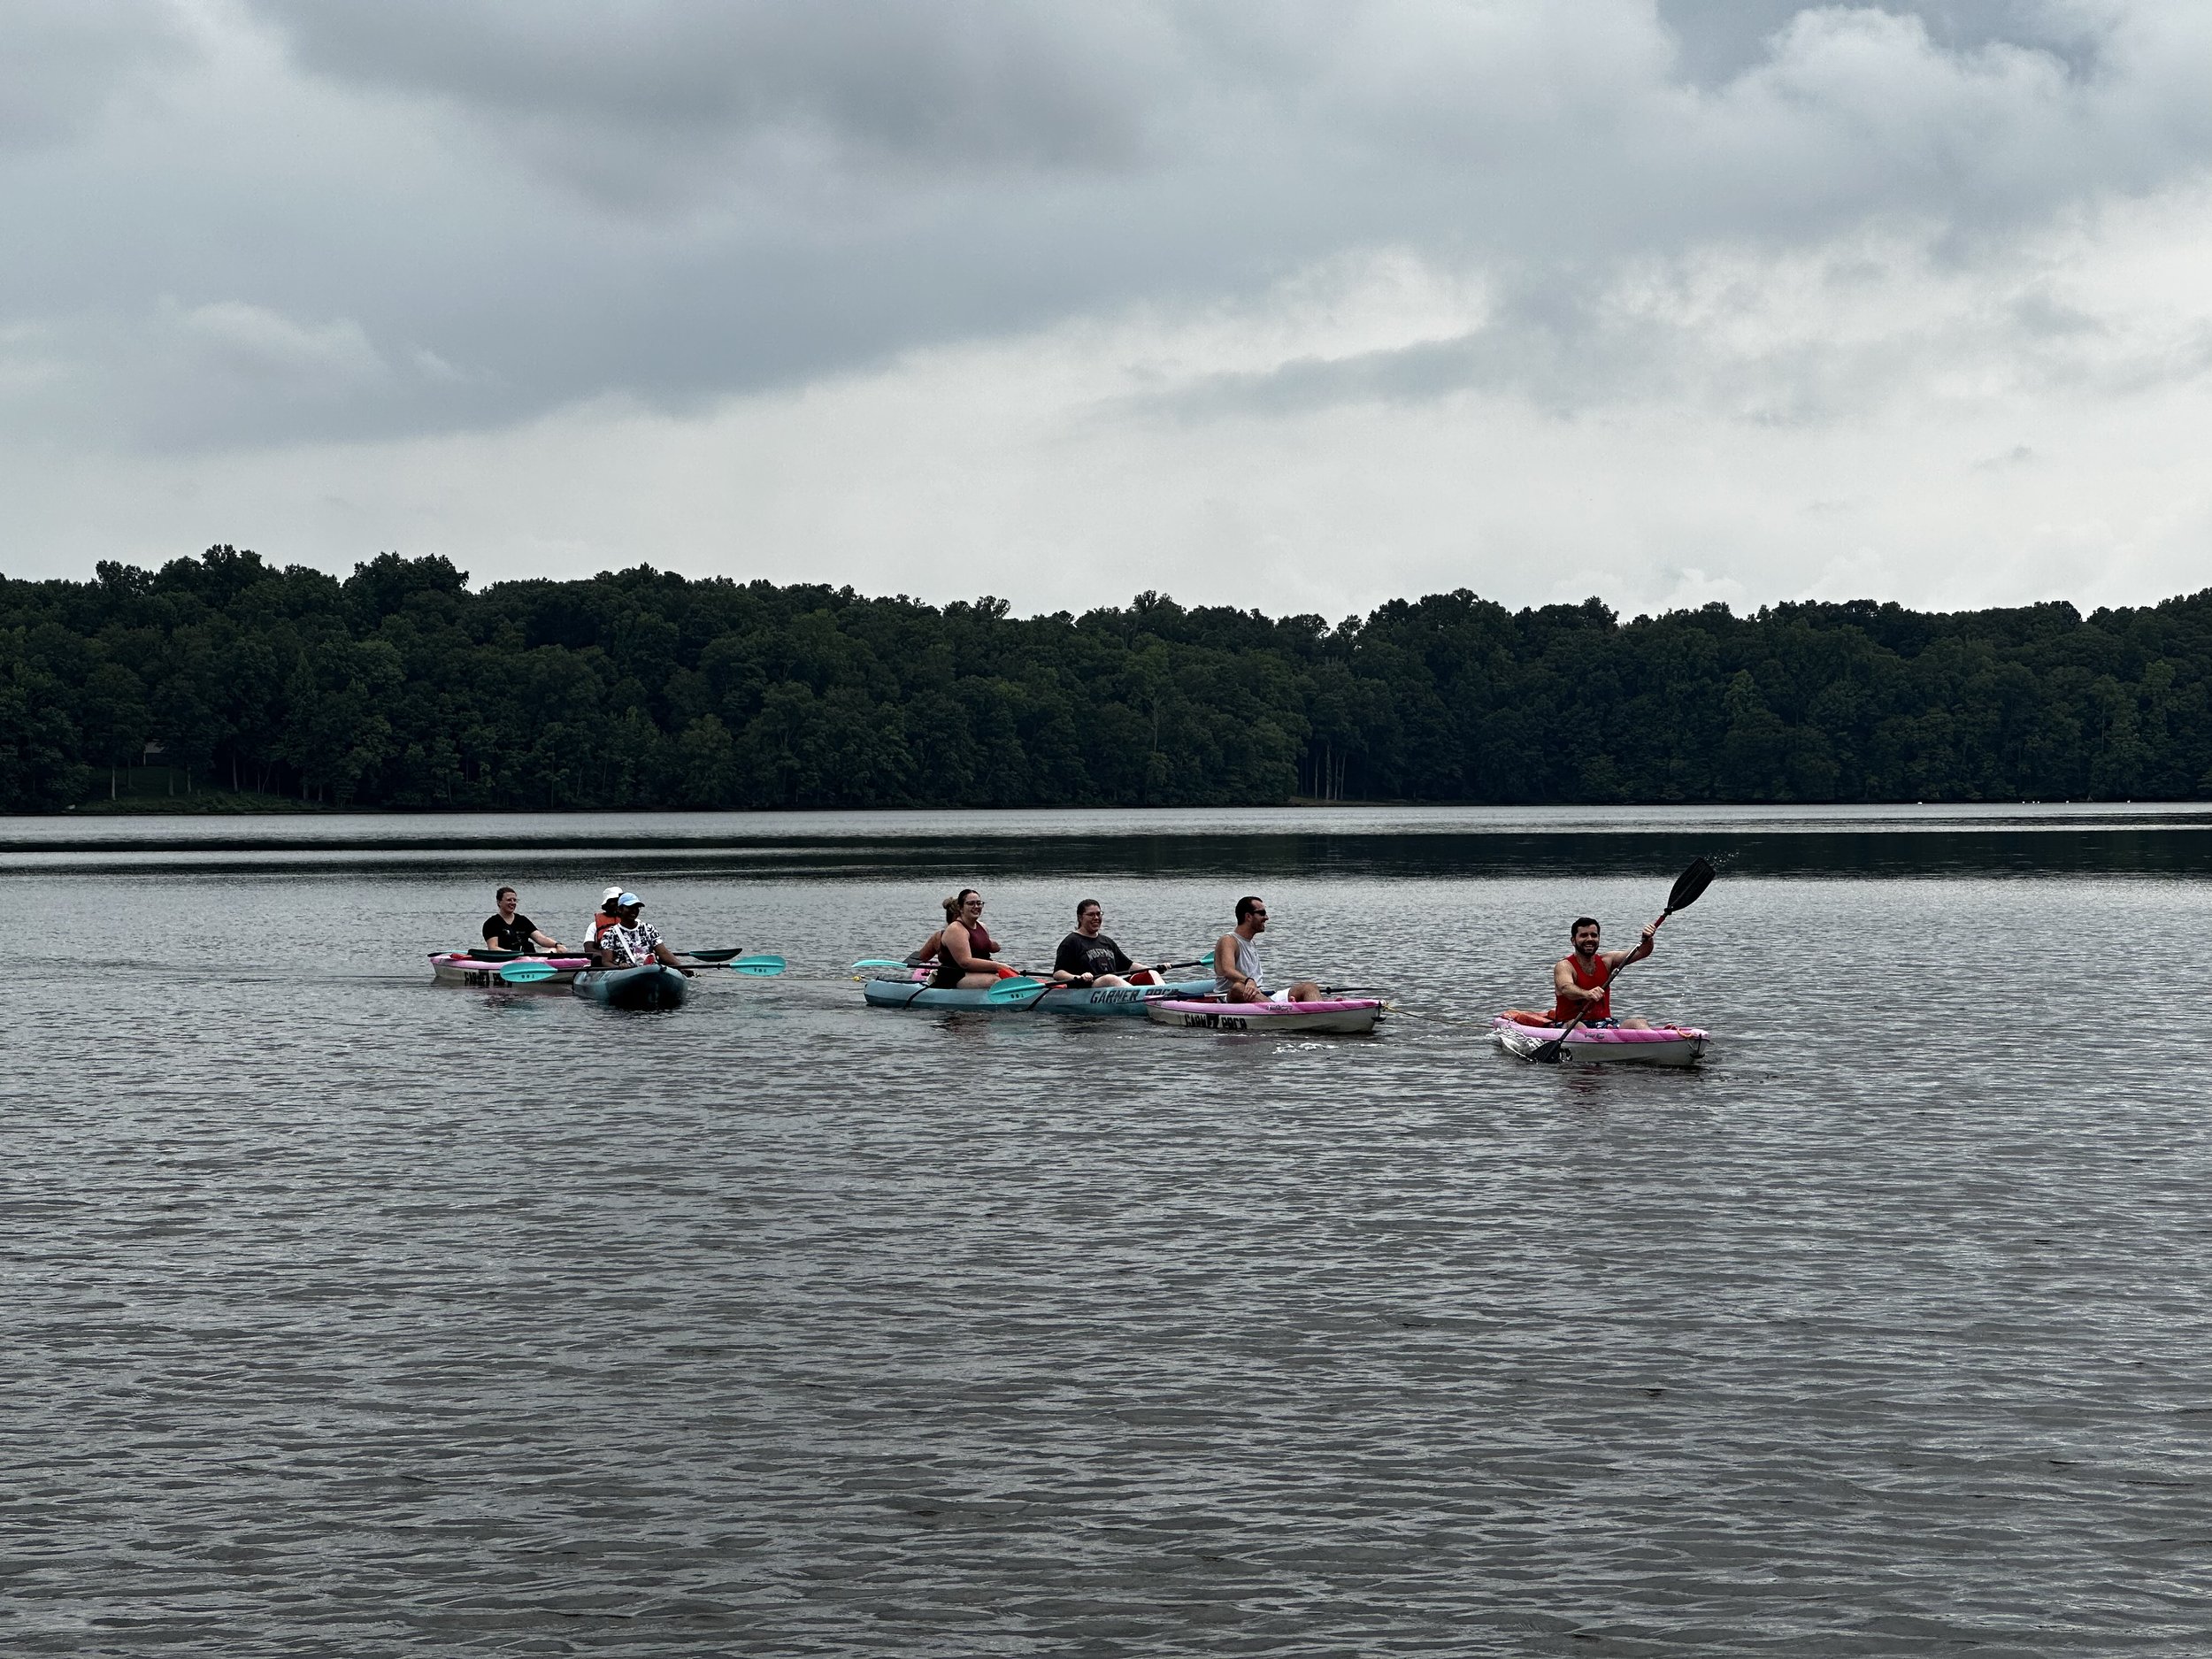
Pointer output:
x,y
1237,962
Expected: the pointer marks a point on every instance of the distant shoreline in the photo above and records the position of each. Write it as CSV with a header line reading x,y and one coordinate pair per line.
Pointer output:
x,y
221,685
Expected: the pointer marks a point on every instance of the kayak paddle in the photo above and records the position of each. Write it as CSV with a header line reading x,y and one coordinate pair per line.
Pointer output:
x,y
527,973
762,967
1687,888
880,962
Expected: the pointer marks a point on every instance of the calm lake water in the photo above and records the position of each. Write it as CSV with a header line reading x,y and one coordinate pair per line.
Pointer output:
x,y
348,1313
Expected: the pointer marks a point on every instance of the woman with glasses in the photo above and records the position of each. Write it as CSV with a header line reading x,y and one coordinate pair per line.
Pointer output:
x,y
979,940
964,949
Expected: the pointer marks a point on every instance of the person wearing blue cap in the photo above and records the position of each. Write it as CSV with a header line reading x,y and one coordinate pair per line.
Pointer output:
x,y
630,943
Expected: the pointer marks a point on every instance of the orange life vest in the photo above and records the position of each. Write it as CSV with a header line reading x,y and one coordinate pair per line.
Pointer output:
x,y
1602,1009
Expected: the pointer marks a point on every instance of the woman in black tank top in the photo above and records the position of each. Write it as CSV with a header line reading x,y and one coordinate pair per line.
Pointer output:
x,y
958,969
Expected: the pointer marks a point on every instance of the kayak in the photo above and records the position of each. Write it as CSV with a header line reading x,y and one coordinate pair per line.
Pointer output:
x,y
652,985
466,967
893,990
1661,1045
1344,1016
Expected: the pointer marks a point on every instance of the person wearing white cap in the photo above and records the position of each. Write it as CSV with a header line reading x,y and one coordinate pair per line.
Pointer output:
x,y
605,916
630,943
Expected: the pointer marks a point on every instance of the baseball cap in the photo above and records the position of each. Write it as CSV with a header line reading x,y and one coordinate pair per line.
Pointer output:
x,y
627,900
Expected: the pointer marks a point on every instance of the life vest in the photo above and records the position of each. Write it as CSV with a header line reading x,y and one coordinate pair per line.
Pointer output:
x,y
1602,1009
597,922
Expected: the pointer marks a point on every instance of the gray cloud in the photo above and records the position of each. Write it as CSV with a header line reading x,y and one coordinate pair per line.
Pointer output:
x,y
1716,43
62,62
344,221
660,101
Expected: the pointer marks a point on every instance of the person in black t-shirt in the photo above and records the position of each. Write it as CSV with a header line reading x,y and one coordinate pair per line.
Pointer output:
x,y
1086,956
507,928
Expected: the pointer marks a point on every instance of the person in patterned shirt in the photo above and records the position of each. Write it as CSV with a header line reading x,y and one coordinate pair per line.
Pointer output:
x,y
632,943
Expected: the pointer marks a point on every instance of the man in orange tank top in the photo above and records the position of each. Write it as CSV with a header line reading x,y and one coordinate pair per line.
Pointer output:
x,y
1580,980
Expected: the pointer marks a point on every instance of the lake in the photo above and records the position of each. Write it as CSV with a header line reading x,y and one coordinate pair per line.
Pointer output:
x,y
351,1314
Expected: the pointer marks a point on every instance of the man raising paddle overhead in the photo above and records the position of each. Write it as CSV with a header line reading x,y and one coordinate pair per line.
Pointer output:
x,y
1582,980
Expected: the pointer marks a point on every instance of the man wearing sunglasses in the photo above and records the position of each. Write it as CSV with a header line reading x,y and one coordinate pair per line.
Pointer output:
x,y
1237,969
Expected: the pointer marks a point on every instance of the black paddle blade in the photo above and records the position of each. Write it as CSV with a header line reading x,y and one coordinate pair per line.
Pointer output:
x,y
1688,886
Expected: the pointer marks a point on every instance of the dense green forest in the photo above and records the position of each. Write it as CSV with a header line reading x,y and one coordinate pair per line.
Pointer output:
x,y
400,687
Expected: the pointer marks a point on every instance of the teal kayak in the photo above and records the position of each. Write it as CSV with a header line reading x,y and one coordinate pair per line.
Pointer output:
x,y
1103,999
652,985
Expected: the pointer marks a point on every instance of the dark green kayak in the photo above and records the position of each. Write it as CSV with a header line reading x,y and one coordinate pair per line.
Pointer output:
x,y
652,985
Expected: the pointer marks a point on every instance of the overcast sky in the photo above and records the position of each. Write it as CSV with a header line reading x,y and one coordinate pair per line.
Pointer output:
x,y
1300,305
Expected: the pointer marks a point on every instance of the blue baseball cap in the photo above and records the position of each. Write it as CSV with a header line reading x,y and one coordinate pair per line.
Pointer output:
x,y
627,900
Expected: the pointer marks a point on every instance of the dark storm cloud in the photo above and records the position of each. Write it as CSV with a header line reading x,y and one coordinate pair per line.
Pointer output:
x,y
639,102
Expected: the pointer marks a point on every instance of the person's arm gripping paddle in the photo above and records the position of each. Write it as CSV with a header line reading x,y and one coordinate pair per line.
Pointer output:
x,y
1070,964
1568,994
1615,960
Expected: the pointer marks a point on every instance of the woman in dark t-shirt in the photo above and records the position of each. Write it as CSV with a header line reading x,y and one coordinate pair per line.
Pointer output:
x,y
1086,956
507,928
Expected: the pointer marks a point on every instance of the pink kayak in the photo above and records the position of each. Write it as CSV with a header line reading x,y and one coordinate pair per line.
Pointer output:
x,y
1661,1045
461,967
1353,1016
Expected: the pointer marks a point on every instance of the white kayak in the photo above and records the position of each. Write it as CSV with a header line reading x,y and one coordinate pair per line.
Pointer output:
x,y
896,991
1661,1045
481,969
1342,1017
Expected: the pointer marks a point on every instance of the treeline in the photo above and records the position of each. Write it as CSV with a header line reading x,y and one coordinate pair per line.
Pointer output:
x,y
399,687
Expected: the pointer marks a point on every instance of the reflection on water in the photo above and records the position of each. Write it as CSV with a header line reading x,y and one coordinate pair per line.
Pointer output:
x,y
349,1314
2155,839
